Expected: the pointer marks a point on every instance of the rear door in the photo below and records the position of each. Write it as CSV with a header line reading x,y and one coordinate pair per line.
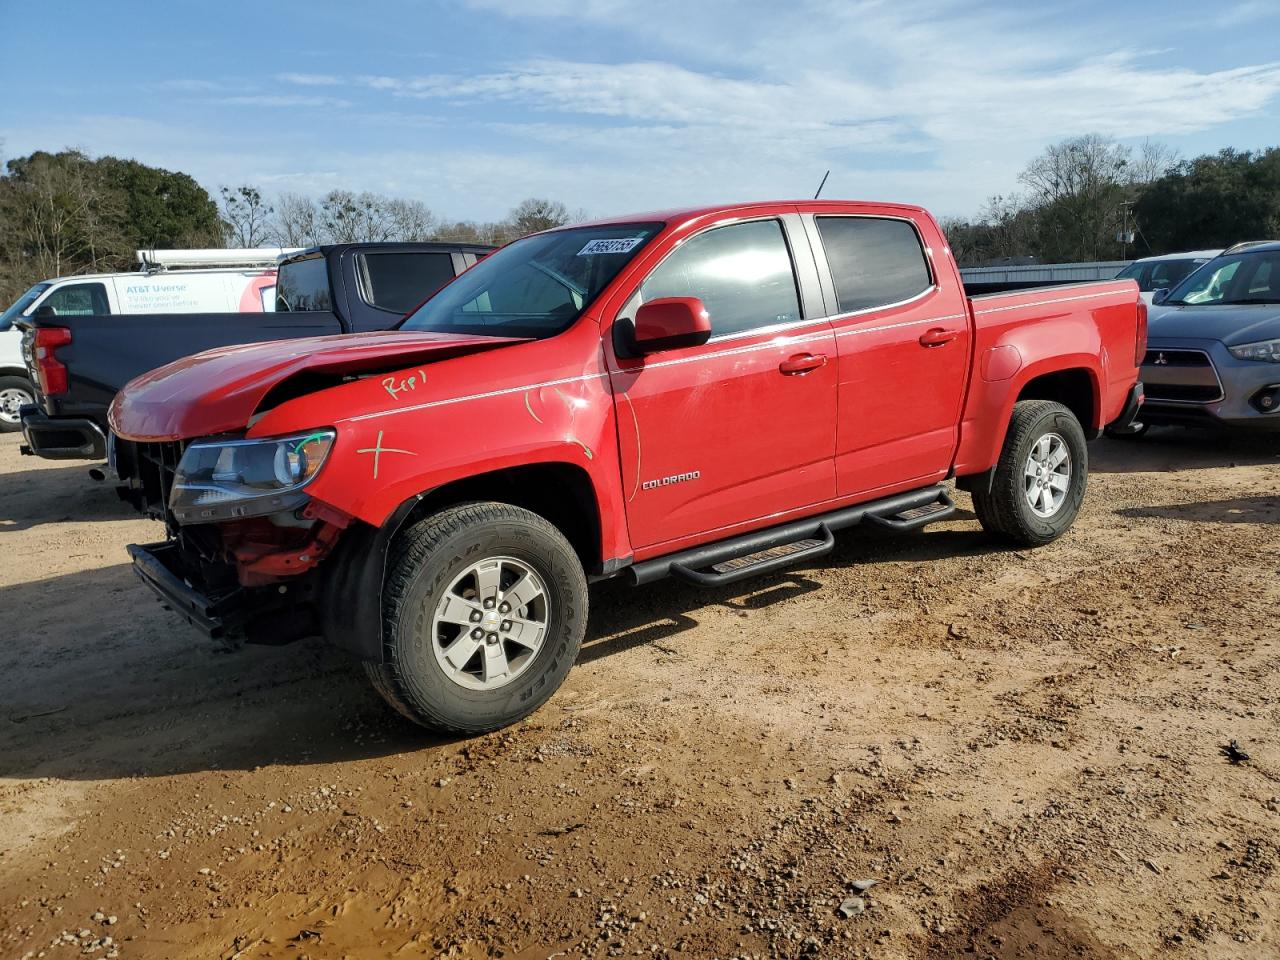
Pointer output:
x,y
740,430
903,339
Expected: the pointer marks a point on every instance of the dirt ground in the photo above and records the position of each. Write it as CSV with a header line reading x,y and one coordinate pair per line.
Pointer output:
x,y
1021,749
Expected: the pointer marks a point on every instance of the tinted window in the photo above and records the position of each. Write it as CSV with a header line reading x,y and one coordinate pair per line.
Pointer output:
x,y
873,262
76,300
535,287
400,281
1168,273
741,273
303,285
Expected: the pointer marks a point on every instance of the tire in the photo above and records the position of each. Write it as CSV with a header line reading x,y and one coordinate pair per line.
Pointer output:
x,y
1135,431
14,392
1006,511
438,565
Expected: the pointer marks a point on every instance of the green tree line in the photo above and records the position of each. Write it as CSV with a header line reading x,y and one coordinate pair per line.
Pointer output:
x,y
67,213
1083,198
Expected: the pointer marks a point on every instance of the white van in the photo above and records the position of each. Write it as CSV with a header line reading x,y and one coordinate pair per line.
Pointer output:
x,y
169,281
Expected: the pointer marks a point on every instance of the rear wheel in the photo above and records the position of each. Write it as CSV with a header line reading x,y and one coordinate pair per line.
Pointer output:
x,y
484,609
1041,476
14,393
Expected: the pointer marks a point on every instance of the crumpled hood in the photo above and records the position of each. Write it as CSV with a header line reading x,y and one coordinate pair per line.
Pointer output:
x,y
1242,323
219,390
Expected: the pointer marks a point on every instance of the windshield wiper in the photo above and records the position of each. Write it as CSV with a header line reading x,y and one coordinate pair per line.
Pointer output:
x,y
1251,300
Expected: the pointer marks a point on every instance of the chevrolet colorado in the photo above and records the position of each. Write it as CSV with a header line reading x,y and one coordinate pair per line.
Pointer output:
x,y
77,362
708,394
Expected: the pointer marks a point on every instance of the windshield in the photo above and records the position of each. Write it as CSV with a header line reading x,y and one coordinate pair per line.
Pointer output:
x,y
1232,278
1158,274
535,287
20,306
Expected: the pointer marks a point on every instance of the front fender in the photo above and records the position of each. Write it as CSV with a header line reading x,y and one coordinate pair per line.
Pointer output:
x,y
467,417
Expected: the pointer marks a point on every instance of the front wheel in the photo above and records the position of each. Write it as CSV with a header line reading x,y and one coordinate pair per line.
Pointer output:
x,y
484,608
1041,476
14,393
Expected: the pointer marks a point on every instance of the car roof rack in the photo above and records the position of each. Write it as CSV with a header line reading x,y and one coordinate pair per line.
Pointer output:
x,y
1246,244
211,259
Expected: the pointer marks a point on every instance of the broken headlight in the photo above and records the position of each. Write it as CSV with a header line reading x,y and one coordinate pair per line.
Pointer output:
x,y
229,479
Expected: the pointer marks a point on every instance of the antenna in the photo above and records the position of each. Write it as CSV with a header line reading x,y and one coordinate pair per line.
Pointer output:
x,y
822,184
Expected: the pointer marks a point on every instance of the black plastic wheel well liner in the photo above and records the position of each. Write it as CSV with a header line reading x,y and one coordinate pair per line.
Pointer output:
x,y
1072,388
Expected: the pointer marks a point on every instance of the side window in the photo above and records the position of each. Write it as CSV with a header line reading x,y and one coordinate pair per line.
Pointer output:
x,y
874,262
742,274
400,281
1170,273
76,300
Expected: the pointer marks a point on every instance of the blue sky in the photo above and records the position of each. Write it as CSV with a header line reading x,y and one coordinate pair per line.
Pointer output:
x,y
472,105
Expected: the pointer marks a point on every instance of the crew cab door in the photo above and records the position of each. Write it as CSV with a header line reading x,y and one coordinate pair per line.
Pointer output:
x,y
903,340
719,437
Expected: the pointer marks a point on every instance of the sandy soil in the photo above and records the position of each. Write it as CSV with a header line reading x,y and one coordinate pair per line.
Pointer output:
x,y
1022,750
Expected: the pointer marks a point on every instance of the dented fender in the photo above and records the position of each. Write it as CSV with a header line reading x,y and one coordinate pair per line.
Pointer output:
x,y
409,432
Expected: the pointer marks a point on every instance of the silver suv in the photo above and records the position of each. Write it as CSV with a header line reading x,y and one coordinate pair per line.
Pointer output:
x,y
1213,350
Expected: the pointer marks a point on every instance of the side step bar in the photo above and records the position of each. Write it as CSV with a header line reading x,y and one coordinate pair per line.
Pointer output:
x,y
766,550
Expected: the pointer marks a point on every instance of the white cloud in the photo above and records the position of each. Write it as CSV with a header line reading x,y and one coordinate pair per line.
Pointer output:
x,y
280,100
310,79
931,101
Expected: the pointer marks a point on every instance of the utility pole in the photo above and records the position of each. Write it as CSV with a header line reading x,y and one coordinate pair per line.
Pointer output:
x,y
1125,236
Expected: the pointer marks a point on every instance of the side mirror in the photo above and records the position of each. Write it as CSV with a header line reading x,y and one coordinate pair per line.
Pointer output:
x,y
671,322
44,312
1160,296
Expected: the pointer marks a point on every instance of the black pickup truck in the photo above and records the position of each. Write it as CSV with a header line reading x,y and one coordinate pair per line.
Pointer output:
x,y
78,363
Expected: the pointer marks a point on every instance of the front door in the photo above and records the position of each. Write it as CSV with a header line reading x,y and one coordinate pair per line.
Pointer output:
x,y
738,431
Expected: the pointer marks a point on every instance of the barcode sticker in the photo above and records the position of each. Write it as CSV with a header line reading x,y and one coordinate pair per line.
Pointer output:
x,y
621,245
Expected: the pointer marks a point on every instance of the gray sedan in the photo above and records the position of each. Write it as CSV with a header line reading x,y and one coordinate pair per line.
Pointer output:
x,y
1213,348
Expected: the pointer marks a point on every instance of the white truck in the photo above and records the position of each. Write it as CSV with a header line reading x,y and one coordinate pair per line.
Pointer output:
x,y
167,281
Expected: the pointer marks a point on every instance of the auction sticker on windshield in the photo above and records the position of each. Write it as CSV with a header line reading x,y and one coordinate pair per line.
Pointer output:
x,y
622,245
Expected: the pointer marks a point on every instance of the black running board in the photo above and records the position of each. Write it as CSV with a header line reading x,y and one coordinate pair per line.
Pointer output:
x,y
767,550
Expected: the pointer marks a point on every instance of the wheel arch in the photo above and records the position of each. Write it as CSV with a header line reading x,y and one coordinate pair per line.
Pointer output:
x,y
351,589
1075,382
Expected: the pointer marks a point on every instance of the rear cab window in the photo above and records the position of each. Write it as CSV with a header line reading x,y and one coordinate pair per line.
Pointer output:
x,y
303,285
874,261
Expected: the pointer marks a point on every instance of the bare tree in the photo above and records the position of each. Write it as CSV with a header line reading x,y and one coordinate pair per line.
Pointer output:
x,y
1153,161
409,219
1079,186
297,221
246,216
355,218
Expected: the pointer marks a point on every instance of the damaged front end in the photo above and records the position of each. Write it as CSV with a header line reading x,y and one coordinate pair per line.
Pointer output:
x,y
243,535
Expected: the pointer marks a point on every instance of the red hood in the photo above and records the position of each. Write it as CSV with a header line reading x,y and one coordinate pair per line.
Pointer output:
x,y
219,390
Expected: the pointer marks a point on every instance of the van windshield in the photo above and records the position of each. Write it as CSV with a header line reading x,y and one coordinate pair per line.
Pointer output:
x,y
535,287
20,305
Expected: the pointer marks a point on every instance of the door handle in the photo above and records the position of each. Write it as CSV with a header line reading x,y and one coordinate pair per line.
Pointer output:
x,y
802,363
937,336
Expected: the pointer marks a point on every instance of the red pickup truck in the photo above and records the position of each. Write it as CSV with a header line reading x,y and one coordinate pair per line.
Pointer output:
x,y
708,394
